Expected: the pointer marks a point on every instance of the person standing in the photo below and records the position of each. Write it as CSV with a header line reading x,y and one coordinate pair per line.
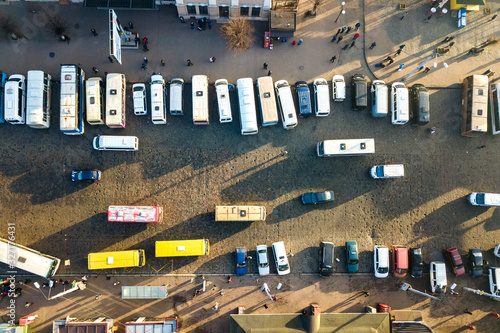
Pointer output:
x,y
340,38
494,17
192,24
398,52
332,60
402,46
334,38
94,32
300,41
373,45
427,69
131,25
96,71
110,59
357,26
345,47
190,63
294,42
265,65
162,62
343,30
356,36
404,15
145,60
390,61
352,44
269,73
338,32
348,29
400,67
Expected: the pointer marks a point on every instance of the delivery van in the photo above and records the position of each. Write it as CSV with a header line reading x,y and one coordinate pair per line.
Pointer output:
x,y
380,96
484,199
176,101
116,142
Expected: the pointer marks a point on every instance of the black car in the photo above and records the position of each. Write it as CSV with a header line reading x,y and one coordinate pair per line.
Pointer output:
x,y
317,197
476,262
359,92
420,105
326,259
91,176
416,262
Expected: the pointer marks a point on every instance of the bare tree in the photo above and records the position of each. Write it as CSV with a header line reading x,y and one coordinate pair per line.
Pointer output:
x,y
9,27
316,4
57,27
238,35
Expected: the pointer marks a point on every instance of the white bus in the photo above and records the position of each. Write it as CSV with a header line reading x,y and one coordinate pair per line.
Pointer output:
x,y
267,100
15,93
38,99
115,100
345,147
286,104
200,99
72,100
222,89
158,105
95,103
22,257
246,99
176,101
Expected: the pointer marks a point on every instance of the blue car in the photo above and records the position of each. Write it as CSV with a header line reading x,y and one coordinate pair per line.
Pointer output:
x,y
91,176
304,94
241,261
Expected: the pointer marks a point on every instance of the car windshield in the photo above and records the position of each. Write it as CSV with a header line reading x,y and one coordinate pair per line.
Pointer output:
x,y
457,267
383,269
323,196
263,265
401,271
380,171
417,267
282,268
480,198
353,262
243,264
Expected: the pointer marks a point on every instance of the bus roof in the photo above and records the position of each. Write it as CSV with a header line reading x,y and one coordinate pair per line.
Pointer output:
x,y
116,259
240,213
182,248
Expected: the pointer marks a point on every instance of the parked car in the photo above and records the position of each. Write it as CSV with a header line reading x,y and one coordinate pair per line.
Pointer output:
x,y
485,199
262,260
416,262
241,261
399,261
387,171
359,92
317,197
496,251
304,94
494,279
139,93
421,105
282,265
326,259
91,176
476,262
381,261
455,260
338,88
438,277
352,256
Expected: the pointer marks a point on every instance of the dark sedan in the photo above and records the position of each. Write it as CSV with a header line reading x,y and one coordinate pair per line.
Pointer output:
x,y
416,262
91,176
476,262
317,197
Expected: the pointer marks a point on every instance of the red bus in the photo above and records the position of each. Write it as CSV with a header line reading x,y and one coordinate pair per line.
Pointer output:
x,y
141,214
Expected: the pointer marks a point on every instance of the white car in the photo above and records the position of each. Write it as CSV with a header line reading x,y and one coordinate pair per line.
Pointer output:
x,y
387,171
338,88
262,260
139,92
381,261
484,199
282,265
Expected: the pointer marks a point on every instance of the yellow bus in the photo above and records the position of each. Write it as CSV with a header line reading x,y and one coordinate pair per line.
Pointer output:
x,y
240,213
117,259
182,248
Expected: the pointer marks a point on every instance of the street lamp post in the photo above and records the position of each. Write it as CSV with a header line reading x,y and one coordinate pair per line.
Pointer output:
x,y
342,11
444,63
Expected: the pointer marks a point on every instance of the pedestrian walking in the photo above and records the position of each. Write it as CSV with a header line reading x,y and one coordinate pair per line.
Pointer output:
x,y
427,69
357,26
291,254
284,153
190,63
110,59
98,296
382,65
366,293
352,44
145,60
216,306
96,71
400,67
162,62
93,32
340,38
432,130
496,315
265,65
494,17
294,42
373,45
28,304
343,30
487,72
378,65
428,18
356,36
402,46
145,47
130,25
137,40
334,38
145,40
269,73
116,283
229,279
345,47
451,44
404,15
398,52
348,29
300,41
448,39
389,58
338,32
468,312
332,60
471,327
66,38
210,23
211,59
420,68
390,62
192,25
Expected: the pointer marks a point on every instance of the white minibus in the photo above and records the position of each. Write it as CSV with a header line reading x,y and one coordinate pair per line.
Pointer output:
x,y
267,100
116,142
321,98
15,93
115,100
221,87
200,100
286,105
246,100
399,104
38,99
95,105
139,95
158,106
280,257
176,87
345,147
379,98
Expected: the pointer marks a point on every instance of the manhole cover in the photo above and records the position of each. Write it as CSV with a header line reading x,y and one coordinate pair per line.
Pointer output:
x,y
77,26
275,211
340,62
52,54
301,68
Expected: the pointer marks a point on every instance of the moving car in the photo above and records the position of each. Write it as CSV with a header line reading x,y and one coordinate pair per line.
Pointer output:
x,y
352,256
456,263
381,261
387,171
91,176
485,199
476,262
326,261
416,262
438,277
399,261
241,261
262,260
317,197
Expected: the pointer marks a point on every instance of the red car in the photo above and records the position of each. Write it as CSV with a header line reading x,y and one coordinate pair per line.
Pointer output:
x,y
457,265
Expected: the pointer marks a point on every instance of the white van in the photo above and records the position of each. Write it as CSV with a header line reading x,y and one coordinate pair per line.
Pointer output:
x,y
158,106
380,97
222,89
399,104
267,100
494,278
286,105
200,100
387,171
139,92
381,261
438,277
484,199
246,99
338,88
321,98
116,142
15,99
176,87
280,258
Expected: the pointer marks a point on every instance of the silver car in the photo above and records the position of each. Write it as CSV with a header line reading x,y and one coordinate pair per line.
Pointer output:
x,y
262,260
